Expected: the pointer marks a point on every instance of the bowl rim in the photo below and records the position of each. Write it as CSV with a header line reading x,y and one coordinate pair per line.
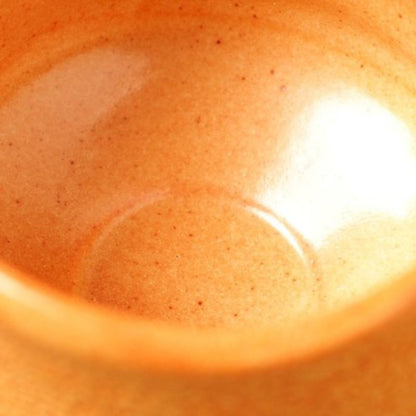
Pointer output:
x,y
55,320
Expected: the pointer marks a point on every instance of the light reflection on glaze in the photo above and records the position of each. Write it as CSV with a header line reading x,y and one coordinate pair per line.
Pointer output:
x,y
75,94
352,158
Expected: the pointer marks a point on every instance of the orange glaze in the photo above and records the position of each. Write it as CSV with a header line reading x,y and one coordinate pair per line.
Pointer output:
x,y
228,102
209,207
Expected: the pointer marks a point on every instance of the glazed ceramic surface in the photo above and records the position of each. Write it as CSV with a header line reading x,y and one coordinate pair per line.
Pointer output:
x,y
207,207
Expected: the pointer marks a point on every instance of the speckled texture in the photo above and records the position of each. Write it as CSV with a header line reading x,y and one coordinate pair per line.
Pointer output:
x,y
230,185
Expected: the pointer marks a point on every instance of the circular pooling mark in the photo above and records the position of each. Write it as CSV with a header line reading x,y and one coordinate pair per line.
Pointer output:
x,y
200,261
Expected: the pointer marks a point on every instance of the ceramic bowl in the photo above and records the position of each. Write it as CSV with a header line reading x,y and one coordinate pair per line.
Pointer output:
x,y
207,207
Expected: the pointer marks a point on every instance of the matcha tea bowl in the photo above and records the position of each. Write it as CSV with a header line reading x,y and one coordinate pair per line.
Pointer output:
x,y
207,207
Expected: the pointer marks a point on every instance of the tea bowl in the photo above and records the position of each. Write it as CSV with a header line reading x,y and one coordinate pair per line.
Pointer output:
x,y
208,207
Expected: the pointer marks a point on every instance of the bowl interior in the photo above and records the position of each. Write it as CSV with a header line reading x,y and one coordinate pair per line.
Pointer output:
x,y
214,165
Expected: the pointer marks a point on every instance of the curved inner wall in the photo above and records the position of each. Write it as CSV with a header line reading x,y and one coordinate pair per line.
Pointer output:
x,y
212,169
